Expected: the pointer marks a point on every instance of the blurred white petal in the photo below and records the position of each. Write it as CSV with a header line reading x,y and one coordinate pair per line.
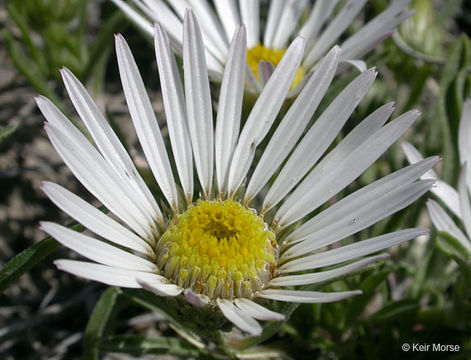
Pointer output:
x,y
309,297
106,274
239,318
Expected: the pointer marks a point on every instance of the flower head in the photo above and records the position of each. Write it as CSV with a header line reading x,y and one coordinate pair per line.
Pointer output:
x,y
224,245
265,48
456,201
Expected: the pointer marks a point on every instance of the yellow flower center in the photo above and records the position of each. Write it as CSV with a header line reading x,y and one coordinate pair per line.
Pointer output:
x,y
273,56
219,249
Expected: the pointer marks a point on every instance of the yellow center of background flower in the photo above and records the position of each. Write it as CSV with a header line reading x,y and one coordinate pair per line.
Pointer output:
x,y
272,55
218,248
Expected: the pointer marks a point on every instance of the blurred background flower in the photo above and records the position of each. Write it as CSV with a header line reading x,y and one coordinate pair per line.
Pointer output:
x,y
322,27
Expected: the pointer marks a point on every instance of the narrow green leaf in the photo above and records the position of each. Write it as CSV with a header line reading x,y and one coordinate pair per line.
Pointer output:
x,y
6,131
25,260
97,323
141,345
421,274
29,69
455,92
82,15
452,88
418,85
394,310
452,247
368,286
98,74
114,24
26,32
28,258
440,316
158,305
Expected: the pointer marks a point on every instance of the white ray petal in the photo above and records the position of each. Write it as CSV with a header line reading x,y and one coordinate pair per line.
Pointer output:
x,y
108,275
107,141
288,22
257,311
441,189
274,13
215,68
158,288
145,122
215,58
229,15
372,40
55,117
174,28
96,250
250,16
464,134
135,17
335,28
464,199
293,124
212,30
264,112
196,299
317,18
240,319
179,6
253,85
93,219
94,173
175,110
360,198
413,156
443,222
300,85
309,297
265,70
198,101
230,106
321,276
359,64
351,252
339,168
159,12
361,217
319,137
376,30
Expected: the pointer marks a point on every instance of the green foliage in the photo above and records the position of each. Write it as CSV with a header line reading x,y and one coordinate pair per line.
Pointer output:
x,y
61,27
140,345
98,321
422,31
25,260
369,287
394,311
6,131
455,250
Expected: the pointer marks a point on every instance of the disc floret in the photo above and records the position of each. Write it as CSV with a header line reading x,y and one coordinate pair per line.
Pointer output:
x,y
271,55
219,249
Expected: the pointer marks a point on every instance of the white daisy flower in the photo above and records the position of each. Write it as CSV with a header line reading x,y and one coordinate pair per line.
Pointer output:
x,y
229,246
456,201
266,47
